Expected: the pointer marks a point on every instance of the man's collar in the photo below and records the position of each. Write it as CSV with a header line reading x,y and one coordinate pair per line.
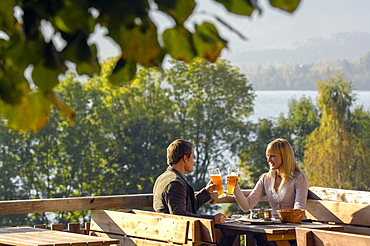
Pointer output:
x,y
171,168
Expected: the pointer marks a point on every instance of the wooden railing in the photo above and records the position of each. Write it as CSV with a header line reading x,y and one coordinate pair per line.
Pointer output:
x,y
360,198
146,200
347,207
88,203
339,195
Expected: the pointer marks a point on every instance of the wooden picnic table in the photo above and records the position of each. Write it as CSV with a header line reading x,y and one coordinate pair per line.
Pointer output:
x,y
281,233
29,236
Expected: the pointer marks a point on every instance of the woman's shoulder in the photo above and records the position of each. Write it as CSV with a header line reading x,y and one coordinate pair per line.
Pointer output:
x,y
299,173
265,177
300,176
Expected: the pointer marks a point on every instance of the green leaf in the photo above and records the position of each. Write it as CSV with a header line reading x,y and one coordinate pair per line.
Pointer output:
x,y
240,7
52,59
77,49
180,10
207,42
46,79
87,68
44,9
20,55
30,24
79,52
139,43
72,18
6,13
286,5
12,85
179,44
120,11
123,72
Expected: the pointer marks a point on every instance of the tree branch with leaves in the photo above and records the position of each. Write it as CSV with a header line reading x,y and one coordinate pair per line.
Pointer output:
x,y
29,30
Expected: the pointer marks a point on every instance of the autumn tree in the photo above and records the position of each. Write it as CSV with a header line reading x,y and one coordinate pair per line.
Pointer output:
x,y
302,119
336,151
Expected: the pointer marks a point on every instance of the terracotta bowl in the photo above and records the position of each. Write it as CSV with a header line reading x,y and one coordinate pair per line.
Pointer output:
x,y
290,215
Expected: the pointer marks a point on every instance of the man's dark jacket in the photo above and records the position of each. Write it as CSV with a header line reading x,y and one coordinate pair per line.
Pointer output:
x,y
174,195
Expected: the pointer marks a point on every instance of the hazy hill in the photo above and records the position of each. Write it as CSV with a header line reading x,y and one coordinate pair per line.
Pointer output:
x,y
303,76
345,45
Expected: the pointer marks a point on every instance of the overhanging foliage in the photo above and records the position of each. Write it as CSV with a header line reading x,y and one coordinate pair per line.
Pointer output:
x,y
28,28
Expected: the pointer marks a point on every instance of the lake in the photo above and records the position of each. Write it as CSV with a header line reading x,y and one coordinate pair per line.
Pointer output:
x,y
272,103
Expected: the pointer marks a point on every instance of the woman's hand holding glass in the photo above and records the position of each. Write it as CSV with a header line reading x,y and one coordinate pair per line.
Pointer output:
x,y
232,180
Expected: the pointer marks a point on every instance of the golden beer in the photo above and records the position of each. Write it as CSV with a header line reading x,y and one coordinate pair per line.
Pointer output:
x,y
215,175
218,181
233,179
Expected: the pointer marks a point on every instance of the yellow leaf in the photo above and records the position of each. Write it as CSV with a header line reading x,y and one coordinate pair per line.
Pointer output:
x,y
31,113
207,42
179,43
140,43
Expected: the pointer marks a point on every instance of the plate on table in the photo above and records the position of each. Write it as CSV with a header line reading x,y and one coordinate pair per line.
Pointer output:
x,y
233,218
258,221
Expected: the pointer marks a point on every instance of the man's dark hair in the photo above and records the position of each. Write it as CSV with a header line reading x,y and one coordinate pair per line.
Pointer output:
x,y
177,149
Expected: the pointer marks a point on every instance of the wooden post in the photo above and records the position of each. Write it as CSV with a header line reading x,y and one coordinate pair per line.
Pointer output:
x,y
57,227
40,226
87,228
74,227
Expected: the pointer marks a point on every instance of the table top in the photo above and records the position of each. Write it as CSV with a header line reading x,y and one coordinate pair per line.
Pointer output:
x,y
29,236
274,228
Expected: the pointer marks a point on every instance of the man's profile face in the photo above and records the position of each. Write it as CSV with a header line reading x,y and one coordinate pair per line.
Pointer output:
x,y
189,163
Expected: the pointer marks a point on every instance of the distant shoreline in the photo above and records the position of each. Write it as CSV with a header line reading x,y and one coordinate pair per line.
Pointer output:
x,y
301,90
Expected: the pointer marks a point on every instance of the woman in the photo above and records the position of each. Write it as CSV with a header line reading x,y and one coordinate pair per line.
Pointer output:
x,y
285,185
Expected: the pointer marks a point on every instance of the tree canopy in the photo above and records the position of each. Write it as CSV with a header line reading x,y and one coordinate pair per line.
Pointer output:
x,y
336,152
330,138
29,29
118,144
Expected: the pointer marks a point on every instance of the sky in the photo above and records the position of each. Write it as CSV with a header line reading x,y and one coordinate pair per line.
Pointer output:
x,y
313,18
274,28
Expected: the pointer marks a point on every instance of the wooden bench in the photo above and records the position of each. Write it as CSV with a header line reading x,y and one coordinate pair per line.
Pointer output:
x,y
141,230
338,212
201,231
311,237
354,217
33,236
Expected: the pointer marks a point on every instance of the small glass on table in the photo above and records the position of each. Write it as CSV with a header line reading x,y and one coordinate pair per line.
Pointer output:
x,y
215,175
232,174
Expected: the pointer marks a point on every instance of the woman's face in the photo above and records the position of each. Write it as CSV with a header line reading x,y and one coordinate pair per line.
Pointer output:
x,y
274,160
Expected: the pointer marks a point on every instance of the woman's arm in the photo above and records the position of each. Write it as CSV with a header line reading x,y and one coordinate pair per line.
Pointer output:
x,y
301,188
249,202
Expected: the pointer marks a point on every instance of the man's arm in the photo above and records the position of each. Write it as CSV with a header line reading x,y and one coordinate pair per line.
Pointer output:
x,y
177,201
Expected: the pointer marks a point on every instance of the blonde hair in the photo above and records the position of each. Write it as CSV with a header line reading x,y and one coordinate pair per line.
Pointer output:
x,y
289,165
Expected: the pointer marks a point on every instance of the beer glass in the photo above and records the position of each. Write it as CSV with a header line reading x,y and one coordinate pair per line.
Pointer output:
x,y
217,179
232,174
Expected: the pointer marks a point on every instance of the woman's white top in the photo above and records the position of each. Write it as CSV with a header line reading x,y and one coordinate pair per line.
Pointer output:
x,y
291,195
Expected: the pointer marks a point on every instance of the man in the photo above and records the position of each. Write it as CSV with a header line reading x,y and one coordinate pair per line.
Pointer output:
x,y
172,193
